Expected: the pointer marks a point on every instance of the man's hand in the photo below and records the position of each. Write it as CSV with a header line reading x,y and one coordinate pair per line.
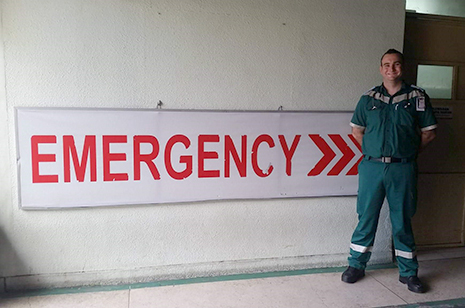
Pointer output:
x,y
426,138
358,134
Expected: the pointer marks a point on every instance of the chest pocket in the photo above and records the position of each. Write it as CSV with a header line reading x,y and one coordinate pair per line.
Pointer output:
x,y
374,112
406,113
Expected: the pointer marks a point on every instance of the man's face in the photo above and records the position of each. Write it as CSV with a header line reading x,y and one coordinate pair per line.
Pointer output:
x,y
391,67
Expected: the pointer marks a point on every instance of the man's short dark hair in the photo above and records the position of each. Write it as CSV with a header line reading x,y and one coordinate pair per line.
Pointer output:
x,y
393,51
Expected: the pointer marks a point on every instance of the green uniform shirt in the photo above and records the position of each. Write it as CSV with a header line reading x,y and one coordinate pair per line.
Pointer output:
x,y
392,124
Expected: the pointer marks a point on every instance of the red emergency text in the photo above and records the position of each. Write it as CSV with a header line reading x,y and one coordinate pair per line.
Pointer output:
x,y
84,160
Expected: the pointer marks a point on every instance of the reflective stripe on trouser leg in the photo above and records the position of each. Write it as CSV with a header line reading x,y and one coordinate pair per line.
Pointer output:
x,y
401,193
369,201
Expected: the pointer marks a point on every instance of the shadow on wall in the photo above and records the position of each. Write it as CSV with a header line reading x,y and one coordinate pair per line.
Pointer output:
x,y
8,259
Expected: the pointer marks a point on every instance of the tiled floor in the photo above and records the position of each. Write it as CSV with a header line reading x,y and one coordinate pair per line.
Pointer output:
x,y
443,271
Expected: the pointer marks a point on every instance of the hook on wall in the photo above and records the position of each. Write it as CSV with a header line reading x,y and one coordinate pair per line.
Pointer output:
x,y
159,104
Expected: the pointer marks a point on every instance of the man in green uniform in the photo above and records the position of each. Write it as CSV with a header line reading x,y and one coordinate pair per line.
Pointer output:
x,y
392,122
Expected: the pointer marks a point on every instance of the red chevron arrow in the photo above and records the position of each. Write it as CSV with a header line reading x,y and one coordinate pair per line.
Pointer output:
x,y
328,155
354,169
347,155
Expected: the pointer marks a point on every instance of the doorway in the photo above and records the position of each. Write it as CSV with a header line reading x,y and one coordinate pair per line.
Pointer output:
x,y
434,50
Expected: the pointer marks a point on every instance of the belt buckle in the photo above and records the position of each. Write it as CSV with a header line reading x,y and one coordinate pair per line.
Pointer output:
x,y
386,160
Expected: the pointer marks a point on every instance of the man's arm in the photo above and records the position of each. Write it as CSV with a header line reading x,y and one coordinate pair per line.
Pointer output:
x,y
426,138
358,134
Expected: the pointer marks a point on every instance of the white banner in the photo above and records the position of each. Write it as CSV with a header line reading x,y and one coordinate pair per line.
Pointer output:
x,y
97,157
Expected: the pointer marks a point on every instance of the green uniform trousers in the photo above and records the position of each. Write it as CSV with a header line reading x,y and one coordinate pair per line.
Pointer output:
x,y
398,183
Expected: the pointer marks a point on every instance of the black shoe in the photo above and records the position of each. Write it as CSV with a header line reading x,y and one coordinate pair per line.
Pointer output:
x,y
352,274
413,283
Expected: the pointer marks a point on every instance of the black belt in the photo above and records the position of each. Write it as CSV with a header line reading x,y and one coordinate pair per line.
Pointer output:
x,y
388,160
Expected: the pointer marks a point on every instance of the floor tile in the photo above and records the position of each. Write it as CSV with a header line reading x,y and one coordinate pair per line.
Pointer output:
x,y
445,280
240,293
315,290
367,292
114,299
380,288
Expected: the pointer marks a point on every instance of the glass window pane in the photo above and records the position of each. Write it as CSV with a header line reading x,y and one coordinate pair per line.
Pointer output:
x,y
436,80
437,7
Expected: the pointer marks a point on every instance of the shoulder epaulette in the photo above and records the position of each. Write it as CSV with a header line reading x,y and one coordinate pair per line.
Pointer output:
x,y
370,91
418,88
